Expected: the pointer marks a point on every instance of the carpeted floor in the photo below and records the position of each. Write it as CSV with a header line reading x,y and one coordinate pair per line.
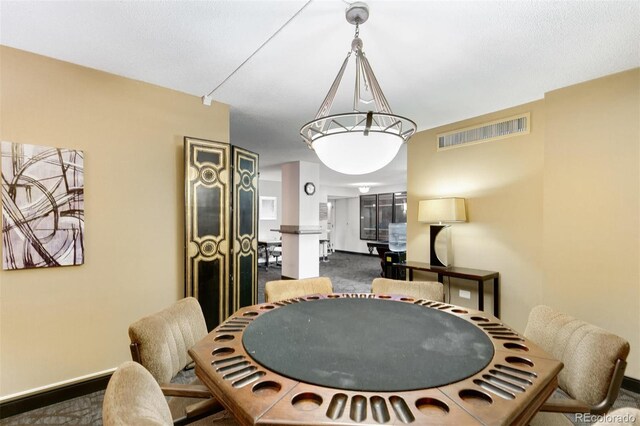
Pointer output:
x,y
349,273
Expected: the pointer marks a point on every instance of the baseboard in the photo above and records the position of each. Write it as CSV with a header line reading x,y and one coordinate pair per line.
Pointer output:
x,y
53,396
355,252
631,384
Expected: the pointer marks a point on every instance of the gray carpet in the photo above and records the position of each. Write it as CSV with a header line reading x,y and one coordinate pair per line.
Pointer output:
x,y
349,273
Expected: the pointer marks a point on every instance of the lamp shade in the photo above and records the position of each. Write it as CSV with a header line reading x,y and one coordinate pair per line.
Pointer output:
x,y
442,210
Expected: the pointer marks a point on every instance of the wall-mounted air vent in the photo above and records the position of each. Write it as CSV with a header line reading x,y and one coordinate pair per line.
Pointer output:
x,y
499,129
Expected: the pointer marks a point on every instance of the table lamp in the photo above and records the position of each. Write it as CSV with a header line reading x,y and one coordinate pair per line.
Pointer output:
x,y
439,211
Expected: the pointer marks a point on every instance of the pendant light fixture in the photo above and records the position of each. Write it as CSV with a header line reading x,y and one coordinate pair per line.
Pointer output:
x,y
369,137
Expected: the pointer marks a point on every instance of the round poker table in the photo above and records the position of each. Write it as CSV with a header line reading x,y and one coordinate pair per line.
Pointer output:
x,y
372,359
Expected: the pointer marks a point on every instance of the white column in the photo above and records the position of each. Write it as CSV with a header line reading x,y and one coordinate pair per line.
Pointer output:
x,y
300,226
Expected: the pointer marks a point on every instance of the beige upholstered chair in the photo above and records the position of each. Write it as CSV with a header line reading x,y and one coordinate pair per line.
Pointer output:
x,y
431,290
594,363
274,291
624,416
133,397
160,343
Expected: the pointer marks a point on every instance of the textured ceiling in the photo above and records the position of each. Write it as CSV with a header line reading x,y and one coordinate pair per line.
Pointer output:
x,y
437,61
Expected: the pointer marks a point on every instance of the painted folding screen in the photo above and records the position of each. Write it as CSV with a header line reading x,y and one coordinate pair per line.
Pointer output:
x,y
221,241
42,206
245,228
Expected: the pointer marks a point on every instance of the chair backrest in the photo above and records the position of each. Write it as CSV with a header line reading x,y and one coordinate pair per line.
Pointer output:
x,y
275,291
162,340
589,353
431,290
134,398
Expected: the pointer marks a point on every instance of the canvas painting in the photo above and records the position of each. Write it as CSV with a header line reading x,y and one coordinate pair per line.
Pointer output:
x,y
268,208
42,206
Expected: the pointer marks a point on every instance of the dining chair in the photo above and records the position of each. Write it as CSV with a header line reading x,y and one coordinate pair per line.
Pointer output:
x,y
159,342
594,363
133,397
277,254
275,291
430,290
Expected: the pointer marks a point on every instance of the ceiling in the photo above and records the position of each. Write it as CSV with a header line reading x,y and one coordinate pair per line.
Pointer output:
x,y
437,61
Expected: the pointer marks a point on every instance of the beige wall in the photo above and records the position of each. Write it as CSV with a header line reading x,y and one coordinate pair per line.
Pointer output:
x,y
591,218
555,211
502,183
61,323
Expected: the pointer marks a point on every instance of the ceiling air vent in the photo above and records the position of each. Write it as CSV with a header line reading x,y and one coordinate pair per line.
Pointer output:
x,y
499,129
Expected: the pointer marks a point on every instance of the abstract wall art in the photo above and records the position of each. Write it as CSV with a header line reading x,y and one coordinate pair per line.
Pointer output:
x,y
42,206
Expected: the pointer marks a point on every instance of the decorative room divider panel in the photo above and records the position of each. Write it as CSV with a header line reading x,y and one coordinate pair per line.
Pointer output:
x,y
221,221
244,229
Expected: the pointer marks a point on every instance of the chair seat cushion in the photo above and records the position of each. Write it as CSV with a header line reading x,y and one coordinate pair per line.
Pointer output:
x,y
623,416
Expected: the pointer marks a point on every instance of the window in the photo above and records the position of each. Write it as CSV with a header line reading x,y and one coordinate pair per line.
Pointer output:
x,y
368,218
400,207
377,211
385,215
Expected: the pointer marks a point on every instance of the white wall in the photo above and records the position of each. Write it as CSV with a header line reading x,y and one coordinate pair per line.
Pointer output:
x,y
300,251
346,230
324,224
340,191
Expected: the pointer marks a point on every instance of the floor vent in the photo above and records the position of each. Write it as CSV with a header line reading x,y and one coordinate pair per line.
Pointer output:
x,y
499,129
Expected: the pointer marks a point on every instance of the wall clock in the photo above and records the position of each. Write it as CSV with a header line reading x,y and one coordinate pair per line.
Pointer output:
x,y
309,188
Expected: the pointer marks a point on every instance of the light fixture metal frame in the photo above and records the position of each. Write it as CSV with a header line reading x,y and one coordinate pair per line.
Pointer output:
x,y
357,122
382,120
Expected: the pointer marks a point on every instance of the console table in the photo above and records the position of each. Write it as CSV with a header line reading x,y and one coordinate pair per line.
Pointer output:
x,y
381,247
477,275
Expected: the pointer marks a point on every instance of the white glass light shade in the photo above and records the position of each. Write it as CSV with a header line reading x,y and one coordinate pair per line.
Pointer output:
x,y
353,153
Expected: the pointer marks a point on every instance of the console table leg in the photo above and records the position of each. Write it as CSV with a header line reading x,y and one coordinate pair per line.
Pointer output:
x,y
266,260
480,295
496,298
